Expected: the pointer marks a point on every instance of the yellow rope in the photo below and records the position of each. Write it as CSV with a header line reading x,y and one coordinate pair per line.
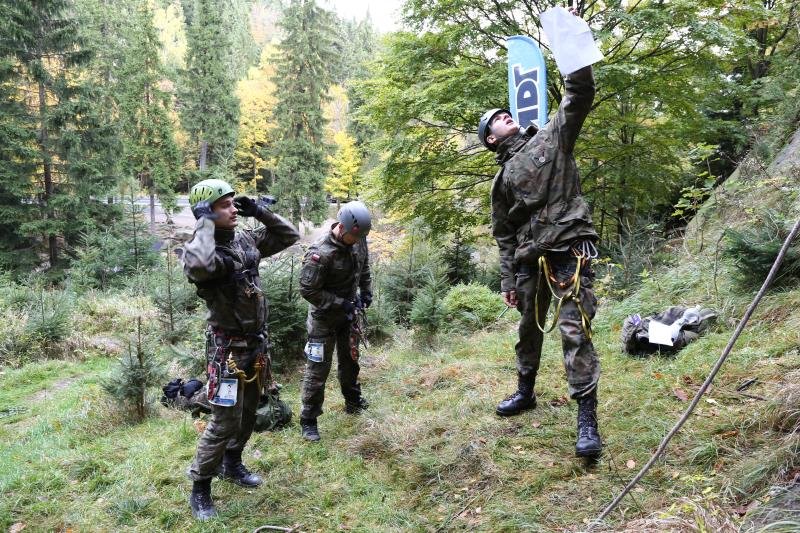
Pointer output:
x,y
573,294
234,369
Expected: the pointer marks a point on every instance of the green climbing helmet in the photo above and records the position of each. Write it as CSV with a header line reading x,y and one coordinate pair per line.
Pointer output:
x,y
209,190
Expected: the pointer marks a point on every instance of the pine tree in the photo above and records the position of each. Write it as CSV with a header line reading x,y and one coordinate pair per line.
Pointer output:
x,y
208,102
75,144
306,60
17,153
151,154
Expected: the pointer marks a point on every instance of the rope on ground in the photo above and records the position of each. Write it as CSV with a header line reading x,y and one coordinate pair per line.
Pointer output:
x,y
767,282
275,528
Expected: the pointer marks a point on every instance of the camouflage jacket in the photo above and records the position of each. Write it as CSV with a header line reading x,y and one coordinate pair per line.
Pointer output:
x,y
332,272
223,264
537,206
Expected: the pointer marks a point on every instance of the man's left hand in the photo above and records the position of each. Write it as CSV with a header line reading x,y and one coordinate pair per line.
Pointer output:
x,y
246,206
366,298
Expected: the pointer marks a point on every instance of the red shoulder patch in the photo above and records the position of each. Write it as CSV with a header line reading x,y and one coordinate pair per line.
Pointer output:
x,y
315,258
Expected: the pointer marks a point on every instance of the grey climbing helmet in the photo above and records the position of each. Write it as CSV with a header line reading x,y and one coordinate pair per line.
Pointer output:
x,y
355,218
483,125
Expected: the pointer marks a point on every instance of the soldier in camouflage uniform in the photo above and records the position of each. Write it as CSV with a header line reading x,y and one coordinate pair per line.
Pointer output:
x,y
223,264
543,228
335,279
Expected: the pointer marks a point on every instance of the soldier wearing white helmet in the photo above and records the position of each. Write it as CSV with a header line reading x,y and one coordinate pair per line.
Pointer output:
x,y
335,279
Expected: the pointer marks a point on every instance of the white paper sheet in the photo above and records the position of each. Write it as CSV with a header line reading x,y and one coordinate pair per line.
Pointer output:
x,y
570,40
659,333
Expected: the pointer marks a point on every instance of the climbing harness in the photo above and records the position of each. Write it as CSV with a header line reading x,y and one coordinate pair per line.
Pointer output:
x,y
221,367
358,332
584,252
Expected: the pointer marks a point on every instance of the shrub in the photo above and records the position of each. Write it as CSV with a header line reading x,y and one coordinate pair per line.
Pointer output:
x,y
427,312
380,315
457,257
108,257
471,307
754,250
409,270
287,309
137,373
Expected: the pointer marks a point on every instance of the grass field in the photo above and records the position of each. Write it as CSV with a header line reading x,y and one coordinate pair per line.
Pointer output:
x,y
430,455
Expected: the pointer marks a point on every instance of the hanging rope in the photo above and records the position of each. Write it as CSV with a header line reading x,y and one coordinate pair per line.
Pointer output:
x,y
745,318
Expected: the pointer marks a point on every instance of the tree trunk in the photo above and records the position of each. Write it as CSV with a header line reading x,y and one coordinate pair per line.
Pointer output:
x,y
152,211
203,154
47,163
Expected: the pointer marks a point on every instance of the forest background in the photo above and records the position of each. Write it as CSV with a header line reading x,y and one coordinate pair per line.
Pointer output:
x,y
105,102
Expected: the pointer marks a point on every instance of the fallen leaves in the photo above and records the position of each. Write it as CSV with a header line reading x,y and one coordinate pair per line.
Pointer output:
x,y
537,424
200,425
680,394
559,402
631,464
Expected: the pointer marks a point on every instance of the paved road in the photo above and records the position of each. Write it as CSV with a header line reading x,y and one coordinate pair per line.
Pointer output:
x,y
184,221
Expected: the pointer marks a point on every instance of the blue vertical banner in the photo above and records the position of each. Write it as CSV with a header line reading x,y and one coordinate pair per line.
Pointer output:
x,y
527,82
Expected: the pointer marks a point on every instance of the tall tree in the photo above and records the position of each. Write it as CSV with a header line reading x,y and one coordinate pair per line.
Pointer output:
x,y
75,145
342,181
431,86
257,95
208,102
305,62
17,154
150,152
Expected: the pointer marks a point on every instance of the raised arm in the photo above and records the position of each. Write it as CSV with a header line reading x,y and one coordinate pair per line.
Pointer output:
x,y
201,262
276,235
575,106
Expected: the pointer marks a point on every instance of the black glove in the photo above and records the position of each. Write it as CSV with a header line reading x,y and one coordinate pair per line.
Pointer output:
x,y
246,206
349,309
203,210
366,298
267,200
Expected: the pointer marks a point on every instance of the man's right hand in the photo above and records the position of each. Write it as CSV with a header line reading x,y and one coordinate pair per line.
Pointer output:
x,y
349,309
510,298
203,209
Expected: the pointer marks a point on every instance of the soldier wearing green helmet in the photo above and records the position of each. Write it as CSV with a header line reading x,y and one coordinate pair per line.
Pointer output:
x,y
223,264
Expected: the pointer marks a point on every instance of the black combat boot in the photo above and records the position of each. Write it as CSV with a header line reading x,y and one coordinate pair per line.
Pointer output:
x,y
308,427
588,444
200,500
522,400
233,470
355,407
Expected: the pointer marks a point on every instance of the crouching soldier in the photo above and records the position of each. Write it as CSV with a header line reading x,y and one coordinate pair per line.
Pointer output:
x,y
543,228
335,279
223,264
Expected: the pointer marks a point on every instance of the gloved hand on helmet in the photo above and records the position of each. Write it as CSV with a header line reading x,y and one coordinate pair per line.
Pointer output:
x,y
246,206
203,209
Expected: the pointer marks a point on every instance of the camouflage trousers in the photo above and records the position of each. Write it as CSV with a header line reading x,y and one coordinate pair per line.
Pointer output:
x,y
230,427
580,359
334,333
